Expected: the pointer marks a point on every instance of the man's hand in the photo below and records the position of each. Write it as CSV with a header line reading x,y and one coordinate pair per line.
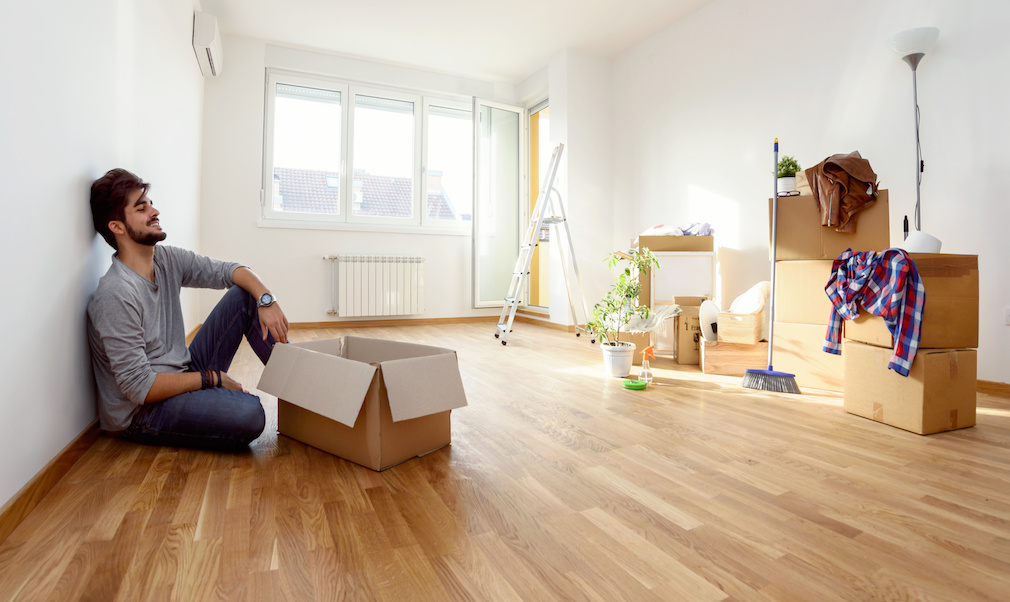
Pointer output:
x,y
230,383
273,321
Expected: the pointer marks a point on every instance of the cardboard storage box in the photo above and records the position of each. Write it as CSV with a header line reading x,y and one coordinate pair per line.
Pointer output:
x,y
938,394
688,328
950,314
801,235
689,301
799,350
376,403
674,243
741,328
799,291
732,359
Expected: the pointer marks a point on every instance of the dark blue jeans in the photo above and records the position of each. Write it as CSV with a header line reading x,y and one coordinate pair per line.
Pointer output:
x,y
211,418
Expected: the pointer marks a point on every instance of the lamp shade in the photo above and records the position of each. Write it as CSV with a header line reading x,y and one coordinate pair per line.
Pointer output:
x,y
914,41
920,242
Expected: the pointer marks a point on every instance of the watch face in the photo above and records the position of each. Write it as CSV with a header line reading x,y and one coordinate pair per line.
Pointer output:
x,y
266,299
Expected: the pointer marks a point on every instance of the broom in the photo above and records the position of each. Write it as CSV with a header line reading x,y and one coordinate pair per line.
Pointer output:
x,y
770,380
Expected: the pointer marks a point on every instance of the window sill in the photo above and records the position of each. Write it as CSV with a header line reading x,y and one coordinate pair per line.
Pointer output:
x,y
359,227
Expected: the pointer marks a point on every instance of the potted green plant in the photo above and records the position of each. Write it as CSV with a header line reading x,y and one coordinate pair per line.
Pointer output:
x,y
618,307
788,166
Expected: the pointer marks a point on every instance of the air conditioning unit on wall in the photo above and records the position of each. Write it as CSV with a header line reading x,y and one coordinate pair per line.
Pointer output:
x,y
207,44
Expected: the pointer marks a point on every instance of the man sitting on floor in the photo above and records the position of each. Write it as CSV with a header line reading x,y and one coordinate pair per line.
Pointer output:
x,y
151,387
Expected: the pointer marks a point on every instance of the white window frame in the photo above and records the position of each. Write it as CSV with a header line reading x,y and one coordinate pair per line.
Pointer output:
x,y
344,220
415,170
459,225
266,201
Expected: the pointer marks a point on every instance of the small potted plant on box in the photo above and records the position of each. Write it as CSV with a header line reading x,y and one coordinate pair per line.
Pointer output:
x,y
788,166
617,308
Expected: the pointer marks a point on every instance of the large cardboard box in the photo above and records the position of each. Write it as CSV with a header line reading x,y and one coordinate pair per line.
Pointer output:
x,y
688,327
950,314
799,291
674,243
374,402
732,359
801,235
938,394
799,350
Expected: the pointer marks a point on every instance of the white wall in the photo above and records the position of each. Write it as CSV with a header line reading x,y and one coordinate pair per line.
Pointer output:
x,y
580,100
697,106
290,260
87,87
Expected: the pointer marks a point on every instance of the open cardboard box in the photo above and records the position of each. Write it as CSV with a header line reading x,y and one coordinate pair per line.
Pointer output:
x,y
374,402
688,327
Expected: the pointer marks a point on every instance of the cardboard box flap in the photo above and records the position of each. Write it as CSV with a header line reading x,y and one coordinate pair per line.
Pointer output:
x,y
308,378
421,386
372,351
330,346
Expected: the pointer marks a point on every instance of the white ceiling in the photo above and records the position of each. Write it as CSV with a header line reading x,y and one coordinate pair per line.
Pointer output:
x,y
485,39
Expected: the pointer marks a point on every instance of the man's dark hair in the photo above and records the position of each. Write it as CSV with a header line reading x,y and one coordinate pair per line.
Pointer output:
x,y
109,194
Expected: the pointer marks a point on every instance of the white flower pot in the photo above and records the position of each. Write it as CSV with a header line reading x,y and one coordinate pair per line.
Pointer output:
x,y
617,359
787,184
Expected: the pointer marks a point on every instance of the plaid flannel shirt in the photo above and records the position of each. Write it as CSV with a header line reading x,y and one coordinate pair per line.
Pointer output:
x,y
886,284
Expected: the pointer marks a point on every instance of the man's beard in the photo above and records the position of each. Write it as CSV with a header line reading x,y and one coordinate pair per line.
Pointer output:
x,y
149,239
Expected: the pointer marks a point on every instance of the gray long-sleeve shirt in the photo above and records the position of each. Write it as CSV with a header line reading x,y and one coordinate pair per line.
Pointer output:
x,y
135,327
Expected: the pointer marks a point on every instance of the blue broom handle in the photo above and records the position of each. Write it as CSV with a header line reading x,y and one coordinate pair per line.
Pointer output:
x,y
775,219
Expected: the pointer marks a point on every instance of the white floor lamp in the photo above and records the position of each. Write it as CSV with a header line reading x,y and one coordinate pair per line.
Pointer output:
x,y
911,45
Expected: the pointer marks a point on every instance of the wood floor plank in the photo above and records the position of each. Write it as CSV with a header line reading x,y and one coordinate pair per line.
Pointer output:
x,y
559,485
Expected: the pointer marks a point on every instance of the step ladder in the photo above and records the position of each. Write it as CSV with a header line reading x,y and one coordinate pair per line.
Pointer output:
x,y
545,213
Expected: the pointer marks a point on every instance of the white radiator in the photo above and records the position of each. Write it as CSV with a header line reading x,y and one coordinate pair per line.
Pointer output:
x,y
376,285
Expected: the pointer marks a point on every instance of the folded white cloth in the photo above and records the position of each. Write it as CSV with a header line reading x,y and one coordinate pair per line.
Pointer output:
x,y
656,316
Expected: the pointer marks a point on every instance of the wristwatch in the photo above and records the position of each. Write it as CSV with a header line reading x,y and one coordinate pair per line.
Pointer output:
x,y
267,299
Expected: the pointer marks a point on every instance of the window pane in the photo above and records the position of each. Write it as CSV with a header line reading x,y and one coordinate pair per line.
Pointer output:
x,y
450,164
306,151
497,204
383,158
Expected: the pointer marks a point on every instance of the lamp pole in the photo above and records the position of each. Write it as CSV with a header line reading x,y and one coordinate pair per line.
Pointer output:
x,y
913,62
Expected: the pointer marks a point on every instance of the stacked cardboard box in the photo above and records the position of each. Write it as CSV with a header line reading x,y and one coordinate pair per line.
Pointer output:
x,y
939,392
804,252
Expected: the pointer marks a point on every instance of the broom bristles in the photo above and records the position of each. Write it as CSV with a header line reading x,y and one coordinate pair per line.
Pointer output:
x,y
769,380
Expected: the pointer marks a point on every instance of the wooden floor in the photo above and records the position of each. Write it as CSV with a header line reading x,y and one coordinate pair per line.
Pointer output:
x,y
559,485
